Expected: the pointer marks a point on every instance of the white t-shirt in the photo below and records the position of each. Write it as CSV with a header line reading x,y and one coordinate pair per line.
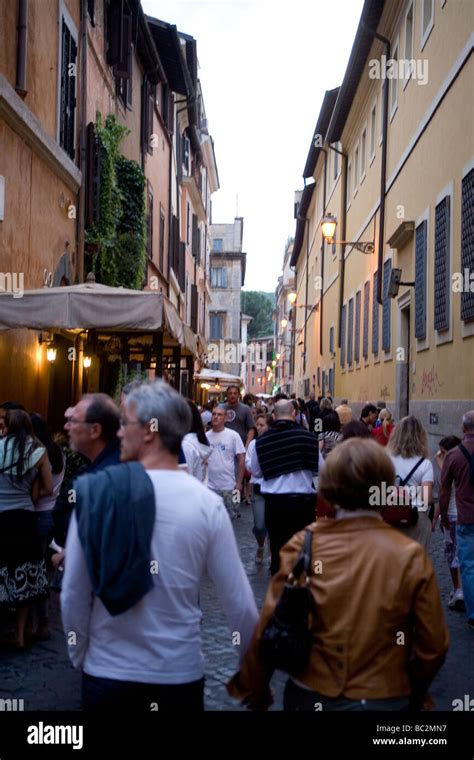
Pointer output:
x,y
225,447
158,640
424,474
248,460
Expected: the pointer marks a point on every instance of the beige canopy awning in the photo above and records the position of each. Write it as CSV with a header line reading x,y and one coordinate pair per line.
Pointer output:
x,y
96,307
217,376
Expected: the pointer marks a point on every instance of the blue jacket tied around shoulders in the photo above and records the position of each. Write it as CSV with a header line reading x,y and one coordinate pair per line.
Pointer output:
x,y
115,512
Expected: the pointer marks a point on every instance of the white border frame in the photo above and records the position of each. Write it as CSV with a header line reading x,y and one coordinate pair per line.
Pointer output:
x,y
394,108
411,5
424,36
350,367
64,13
360,289
363,172
356,164
422,345
446,336
372,155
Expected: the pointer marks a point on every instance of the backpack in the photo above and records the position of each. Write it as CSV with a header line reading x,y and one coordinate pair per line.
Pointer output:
x,y
402,513
470,459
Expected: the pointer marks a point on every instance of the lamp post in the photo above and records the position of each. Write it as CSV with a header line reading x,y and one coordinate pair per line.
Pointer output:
x,y
328,227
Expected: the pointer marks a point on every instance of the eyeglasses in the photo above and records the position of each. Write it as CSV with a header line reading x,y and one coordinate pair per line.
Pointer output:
x,y
125,423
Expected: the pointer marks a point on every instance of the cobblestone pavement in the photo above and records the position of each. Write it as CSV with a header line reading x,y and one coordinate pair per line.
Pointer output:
x,y
44,679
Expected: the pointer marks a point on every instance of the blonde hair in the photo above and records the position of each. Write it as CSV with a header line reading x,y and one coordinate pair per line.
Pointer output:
x,y
409,439
386,418
352,469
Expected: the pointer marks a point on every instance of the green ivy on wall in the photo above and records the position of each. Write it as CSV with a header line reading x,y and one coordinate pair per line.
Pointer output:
x,y
117,241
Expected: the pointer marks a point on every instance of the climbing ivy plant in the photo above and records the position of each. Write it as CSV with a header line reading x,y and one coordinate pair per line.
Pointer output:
x,y
117,241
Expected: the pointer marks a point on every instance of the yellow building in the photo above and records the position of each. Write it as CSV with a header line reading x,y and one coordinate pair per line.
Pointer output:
x,y
404,182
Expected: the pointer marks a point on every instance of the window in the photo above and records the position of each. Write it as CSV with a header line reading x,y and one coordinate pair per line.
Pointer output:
x,y
149,222
216,326
373,129
218,245
442,280
375,317
336,163
195,239
67,96
194,307
421,241
357,328
467,244
306,387
118,39
331,339
218,277
188,222
408,43
350,332
185,148
394,83
162,238
349,186
148,108
363,151
365,339
343,336
356,169
427,20
331,382
386,308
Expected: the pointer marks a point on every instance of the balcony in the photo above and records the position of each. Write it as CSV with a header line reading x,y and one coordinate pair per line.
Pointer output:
x,y
192,182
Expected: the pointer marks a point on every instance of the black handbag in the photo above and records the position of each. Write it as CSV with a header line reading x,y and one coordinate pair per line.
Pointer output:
x,y
287,640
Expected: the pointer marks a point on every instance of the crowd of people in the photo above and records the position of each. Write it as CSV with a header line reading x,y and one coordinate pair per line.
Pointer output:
x,y
135,504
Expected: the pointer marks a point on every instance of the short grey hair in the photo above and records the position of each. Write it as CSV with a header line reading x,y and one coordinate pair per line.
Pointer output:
x,y
344,401
159,401
283,408
468,421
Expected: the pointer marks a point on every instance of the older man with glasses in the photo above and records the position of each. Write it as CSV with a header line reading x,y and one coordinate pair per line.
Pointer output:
x,y
142,538
92,426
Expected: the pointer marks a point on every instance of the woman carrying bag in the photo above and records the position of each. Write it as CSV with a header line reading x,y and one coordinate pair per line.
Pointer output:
x,y
378,631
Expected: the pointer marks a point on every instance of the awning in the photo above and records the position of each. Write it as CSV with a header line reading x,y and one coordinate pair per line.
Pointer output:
x,y
96,307
216,376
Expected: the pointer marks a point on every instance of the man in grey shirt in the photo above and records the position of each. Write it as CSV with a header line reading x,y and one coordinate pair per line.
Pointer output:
x,y
238,416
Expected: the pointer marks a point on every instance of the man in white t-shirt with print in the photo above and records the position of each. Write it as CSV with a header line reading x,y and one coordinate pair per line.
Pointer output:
x,y
227,452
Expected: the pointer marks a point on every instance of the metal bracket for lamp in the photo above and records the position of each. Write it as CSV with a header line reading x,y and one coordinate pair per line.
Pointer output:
x,y
364,247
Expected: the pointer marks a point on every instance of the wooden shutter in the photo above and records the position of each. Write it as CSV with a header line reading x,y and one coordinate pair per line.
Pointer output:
x,y
194,308
182,266
115,31
92,200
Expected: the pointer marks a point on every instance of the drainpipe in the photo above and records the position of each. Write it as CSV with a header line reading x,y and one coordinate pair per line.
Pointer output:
x,y
306,295
21,51
82,147
343,237
322,256
383,172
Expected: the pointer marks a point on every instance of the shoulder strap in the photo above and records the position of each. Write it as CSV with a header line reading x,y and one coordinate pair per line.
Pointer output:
x,y
304,559
412,471
470,459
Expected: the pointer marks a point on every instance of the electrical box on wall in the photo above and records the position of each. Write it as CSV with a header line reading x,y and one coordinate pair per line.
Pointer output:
x,y
2,197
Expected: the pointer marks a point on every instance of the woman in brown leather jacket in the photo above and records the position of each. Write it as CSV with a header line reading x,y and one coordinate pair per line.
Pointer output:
x,y
379,634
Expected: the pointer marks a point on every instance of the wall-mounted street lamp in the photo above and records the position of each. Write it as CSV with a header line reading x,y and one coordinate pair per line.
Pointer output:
x,y
292,297
87,362
284,323
51,350
328,227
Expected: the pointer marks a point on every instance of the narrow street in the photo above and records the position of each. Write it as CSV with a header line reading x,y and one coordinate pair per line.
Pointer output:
x,y
45,680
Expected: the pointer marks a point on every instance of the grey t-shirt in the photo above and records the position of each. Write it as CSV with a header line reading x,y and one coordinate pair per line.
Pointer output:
x,y
240,419
16,494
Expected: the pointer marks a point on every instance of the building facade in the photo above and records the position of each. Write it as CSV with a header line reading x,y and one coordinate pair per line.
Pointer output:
x,y
390,163
228,261
74,77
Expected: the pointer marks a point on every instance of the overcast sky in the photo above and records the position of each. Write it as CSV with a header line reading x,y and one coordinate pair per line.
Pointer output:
x,y
264,67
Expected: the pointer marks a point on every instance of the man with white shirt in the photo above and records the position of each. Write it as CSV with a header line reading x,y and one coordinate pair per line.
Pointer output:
x,y
139,643
286,457
227,459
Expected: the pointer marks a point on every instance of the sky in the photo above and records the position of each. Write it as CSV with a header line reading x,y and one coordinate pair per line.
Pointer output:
x,y
264,67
